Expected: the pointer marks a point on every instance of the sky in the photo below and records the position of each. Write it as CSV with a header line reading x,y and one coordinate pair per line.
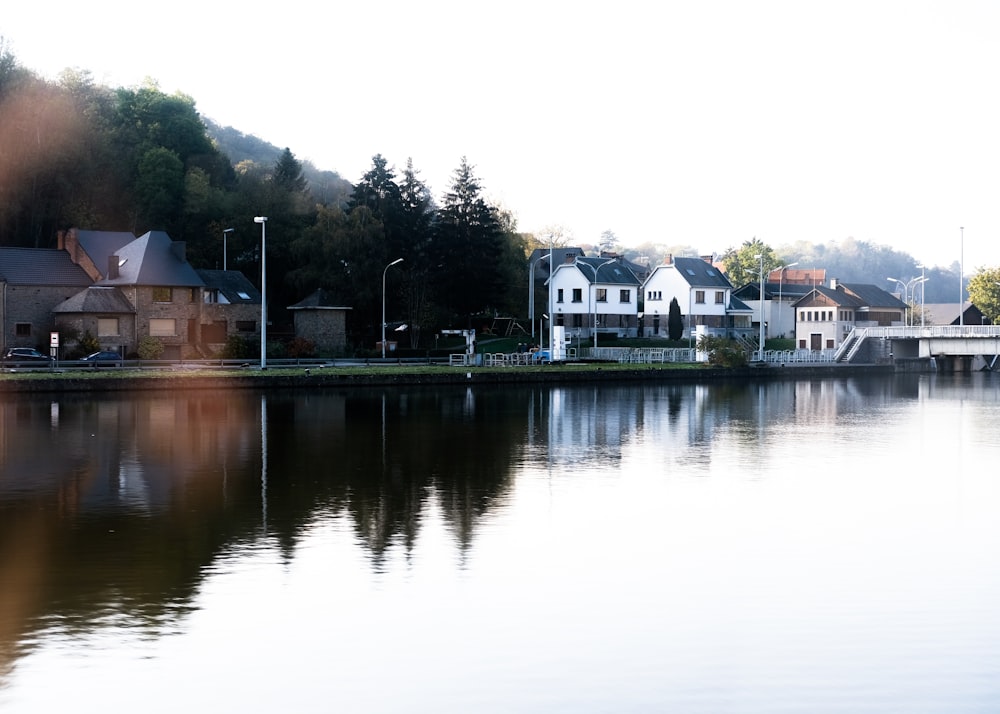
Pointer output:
x,y
698,123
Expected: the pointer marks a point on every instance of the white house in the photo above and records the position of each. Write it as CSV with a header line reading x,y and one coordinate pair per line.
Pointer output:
x,y
703,293
594,296
826,315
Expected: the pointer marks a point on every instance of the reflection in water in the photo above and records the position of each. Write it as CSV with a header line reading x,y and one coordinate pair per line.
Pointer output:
x,y
115,509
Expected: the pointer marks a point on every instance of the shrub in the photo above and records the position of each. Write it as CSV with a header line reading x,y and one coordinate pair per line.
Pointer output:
x,y
150,348
88,344
237,347
722,352
301,347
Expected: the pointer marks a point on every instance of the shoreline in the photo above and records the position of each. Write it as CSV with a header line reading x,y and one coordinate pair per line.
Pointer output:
x,y
328,377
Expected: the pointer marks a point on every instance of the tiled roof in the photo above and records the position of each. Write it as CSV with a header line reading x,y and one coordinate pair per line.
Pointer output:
x,y
233,284
873,295
151,259
318,300
700,273
40,266
96,299
605,271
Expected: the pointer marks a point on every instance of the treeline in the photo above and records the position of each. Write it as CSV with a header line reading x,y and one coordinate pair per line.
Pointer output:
x,y
74,153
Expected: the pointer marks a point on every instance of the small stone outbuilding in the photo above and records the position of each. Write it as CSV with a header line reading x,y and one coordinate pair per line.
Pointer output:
x,y
321,321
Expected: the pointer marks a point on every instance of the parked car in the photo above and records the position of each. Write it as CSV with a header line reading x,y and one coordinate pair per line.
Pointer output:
x,y
25,354
103,356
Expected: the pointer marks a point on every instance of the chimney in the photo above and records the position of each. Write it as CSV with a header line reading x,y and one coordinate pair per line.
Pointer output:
x,y
112,267
833,284
179,249
569,258
669,259
61,238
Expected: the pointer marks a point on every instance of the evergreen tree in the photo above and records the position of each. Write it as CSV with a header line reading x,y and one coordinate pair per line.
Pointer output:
x,y
675,323
468,245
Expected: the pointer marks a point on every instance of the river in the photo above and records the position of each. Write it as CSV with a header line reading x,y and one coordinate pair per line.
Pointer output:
x,y
802,545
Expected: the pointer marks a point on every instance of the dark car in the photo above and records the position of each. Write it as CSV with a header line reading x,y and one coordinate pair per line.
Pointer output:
x,y
25,354
102,356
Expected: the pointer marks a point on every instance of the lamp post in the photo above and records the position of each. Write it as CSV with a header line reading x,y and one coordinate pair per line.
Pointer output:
x,y
531,291
262,220
781,277
961,280
922,289
592,293
225,233
909,289
761,286
397,260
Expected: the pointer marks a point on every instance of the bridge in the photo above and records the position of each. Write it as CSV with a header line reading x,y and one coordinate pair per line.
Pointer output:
x,y
954,348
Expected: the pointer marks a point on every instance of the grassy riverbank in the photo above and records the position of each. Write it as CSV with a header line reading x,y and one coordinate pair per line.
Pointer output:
x,y
199,377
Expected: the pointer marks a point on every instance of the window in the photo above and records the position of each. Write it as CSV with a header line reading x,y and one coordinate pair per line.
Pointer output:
x,y
624,296
720,297
559,295
654,295
577,320
577,294
602,294
699,297
162,327
162,295
211,296
246,326
107,327
23,329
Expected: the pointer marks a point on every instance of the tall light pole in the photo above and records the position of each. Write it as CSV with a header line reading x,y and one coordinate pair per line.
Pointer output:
x,y
593,292
961,280
262,220
781,277
761,286
397,260
922,290
225,233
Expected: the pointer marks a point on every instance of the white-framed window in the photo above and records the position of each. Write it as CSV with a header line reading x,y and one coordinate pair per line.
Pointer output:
x,y
720,297
602,294
625,296
559,295
162,327
107,327
699,297
577,294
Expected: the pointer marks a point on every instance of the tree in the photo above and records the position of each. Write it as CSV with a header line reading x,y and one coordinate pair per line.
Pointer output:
x,y
468,247
984,293
742,264
675,323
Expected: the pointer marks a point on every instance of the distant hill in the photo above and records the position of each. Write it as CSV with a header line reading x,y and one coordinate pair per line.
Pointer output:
x,y
327,187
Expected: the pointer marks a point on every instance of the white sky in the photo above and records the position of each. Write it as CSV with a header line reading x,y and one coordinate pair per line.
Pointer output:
x,y
683,123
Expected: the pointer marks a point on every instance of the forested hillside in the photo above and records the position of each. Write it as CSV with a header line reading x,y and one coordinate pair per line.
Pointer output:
x,y
74,153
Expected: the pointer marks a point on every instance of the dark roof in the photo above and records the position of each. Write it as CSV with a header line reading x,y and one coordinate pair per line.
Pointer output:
x,y
838,297
700,273
539,259
151,259
737,305
319,300
40,266
96,299
233,284
750,291
607,271
873,295
101,244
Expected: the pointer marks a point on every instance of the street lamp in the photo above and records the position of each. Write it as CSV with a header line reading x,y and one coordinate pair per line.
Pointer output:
x,y
781,277
592,293
262,220
909,289
397,260
225,233
761,286
961,280
923,280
